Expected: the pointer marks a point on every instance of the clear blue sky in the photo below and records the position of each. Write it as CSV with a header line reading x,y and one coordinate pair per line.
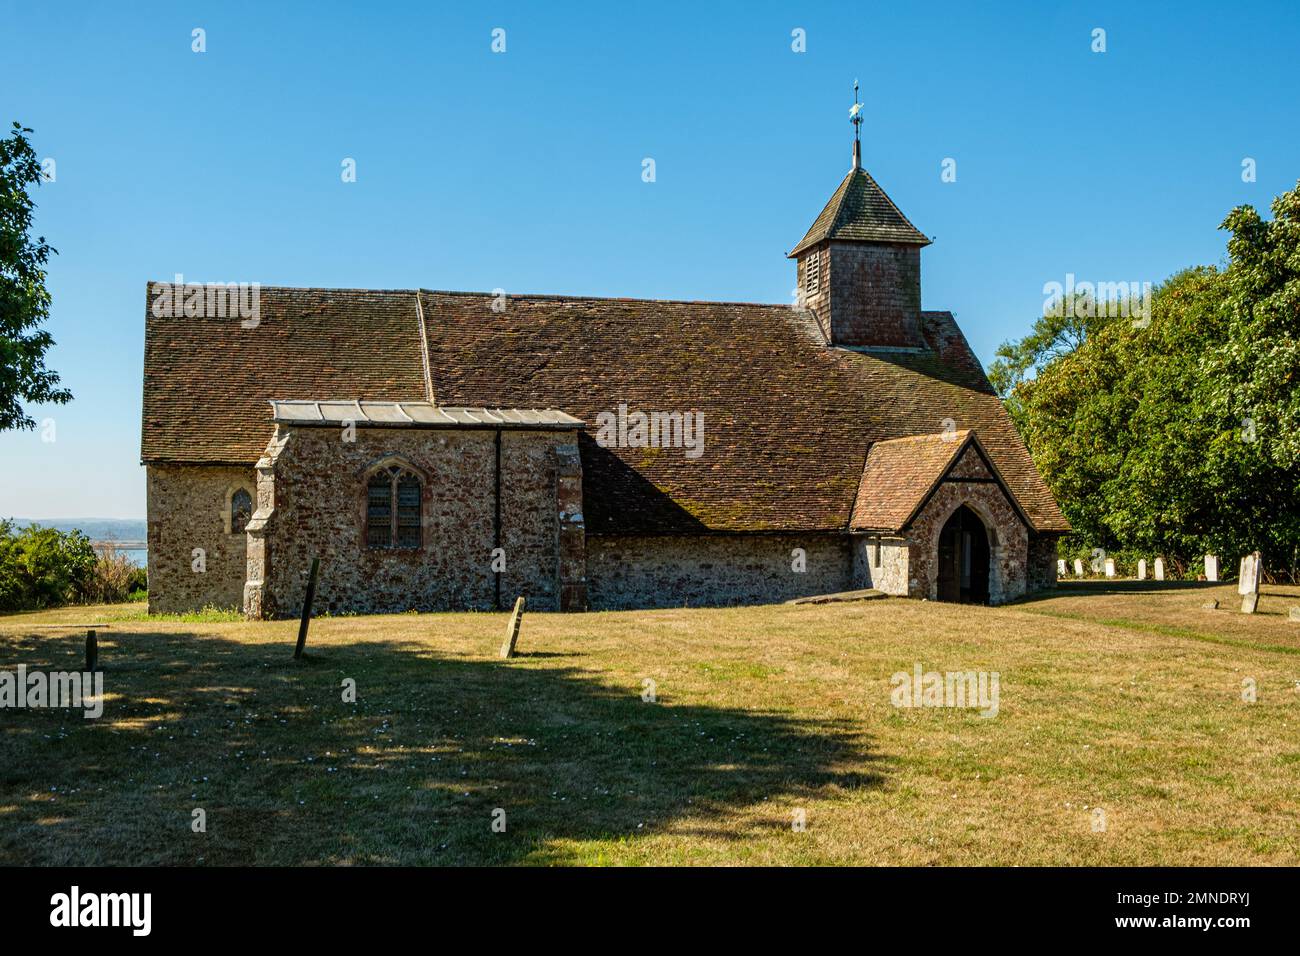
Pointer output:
x,y
522,170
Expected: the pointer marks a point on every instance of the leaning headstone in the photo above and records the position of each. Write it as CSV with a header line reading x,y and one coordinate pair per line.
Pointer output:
x,y
1078,568
512,630
1110,567
1160,569
1211,567
1248,577
1060,567
1248,585
1142,569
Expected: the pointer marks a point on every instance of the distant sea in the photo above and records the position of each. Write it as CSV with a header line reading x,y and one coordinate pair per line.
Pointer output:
x,y
130,531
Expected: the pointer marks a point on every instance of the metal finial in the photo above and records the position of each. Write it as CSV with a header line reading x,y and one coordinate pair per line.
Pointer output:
x,y
855,117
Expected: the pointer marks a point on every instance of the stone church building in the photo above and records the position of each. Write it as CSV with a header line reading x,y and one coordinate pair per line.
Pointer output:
x,y
453,450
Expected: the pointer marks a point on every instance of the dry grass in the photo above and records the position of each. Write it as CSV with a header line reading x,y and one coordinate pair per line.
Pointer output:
x,y
1114,697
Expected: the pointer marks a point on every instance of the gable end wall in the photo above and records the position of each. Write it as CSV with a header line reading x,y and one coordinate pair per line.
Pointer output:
x,y
1008,538
186,509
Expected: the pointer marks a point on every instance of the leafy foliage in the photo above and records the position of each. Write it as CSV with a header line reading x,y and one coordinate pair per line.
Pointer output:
x,y
24,300
42,567
1180,436
1054,336
1255,371
115,578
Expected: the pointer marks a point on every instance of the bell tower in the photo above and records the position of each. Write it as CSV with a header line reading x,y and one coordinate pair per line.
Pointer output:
x,y
859,264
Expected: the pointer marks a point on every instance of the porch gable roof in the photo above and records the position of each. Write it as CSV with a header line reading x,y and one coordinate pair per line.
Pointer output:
x,y
901,474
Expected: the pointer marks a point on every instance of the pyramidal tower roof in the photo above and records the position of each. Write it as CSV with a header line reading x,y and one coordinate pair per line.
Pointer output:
x,y
859,211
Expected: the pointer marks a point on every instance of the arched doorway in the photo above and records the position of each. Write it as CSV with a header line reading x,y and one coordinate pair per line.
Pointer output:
x,y
964,559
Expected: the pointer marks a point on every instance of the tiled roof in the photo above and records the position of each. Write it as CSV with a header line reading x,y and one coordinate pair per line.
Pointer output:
x,y
900,474
207,381
788,420
859,211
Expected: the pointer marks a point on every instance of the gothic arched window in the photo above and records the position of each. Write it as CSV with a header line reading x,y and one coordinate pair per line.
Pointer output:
x,y
393,509
241,509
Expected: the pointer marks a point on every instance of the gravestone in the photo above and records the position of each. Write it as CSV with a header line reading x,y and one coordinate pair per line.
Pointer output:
x,y
1211,567
1211,605
1060,567
1294,614
1078,568
512,630
1110,567
1142,569
1248,583
1160,569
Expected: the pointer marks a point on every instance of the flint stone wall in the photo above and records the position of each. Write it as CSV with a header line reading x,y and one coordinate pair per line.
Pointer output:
x,y
312,497
320,503
188,508
1008,539
1042,562
626,572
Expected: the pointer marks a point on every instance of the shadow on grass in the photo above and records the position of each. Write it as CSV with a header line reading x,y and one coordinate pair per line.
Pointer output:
x,y
288,773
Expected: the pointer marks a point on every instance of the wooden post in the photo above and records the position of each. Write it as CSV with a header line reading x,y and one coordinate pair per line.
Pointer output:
x,y
92,651
512,631
306,609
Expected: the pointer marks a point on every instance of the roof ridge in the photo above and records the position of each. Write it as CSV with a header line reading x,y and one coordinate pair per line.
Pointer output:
x,y
306,288
559,297
938,435
543,296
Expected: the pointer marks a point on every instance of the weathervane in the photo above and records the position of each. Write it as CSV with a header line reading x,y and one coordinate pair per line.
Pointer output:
x,y
855,117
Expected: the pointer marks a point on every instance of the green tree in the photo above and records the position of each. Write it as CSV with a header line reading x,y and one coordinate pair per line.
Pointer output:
x,y
1178,436
1256,369
24,300
1057,333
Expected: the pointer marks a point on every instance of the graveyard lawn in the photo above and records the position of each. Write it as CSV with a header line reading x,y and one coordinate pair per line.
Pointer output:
x,y
1125,698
